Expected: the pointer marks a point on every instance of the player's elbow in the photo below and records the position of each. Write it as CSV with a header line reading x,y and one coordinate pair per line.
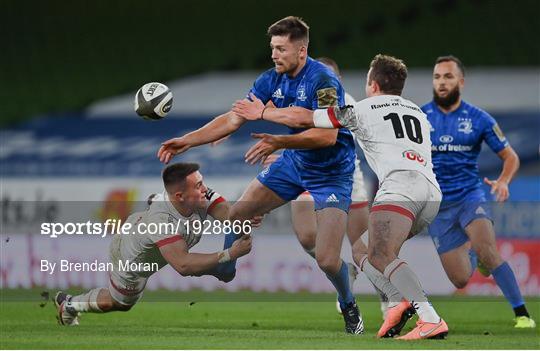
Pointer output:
x,y
183,269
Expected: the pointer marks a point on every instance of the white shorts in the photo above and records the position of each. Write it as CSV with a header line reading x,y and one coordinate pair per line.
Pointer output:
x,y
411,194
125,288
359,194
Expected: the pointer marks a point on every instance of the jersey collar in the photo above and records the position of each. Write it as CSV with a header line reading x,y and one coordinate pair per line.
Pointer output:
x,y
302,72
455,112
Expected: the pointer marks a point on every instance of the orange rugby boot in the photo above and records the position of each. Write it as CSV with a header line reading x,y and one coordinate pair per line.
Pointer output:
x,y
426,330
396,318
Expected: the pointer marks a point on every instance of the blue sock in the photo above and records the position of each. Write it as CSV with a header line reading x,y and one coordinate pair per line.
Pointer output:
x,y
474,260
228,267
506,280
229,240
341,283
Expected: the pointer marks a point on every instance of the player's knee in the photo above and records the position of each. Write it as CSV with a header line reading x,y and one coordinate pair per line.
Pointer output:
x,y
490,257
459,281
329,265
306,239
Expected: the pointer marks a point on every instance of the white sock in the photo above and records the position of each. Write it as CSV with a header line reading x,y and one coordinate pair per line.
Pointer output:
x,y
86,302
404,279
381,283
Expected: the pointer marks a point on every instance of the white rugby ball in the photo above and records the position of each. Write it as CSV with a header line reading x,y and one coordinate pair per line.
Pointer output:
x,y
153,101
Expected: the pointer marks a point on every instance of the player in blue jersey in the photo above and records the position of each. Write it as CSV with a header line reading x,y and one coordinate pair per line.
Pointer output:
x,y
316,160
463,228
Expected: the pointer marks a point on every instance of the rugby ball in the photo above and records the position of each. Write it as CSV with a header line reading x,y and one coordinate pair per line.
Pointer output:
x,y
153,101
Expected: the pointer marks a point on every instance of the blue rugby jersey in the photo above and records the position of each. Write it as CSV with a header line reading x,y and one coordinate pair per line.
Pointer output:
x,y
316,86
456,142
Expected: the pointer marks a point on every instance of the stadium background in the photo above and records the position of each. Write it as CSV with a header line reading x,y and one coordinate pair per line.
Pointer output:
x,y
69,71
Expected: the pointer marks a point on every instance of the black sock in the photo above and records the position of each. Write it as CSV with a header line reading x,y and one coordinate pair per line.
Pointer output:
x,y
521,311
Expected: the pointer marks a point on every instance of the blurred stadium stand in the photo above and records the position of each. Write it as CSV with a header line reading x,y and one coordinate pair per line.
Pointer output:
x,y
60,56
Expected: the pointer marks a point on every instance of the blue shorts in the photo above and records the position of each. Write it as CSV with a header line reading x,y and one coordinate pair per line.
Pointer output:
x,y
448,229
288,180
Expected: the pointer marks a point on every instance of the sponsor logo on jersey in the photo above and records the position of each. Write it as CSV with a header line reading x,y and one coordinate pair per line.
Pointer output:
x,y
446,139
451,147
332,198
277,94
301,93
465,126
414,156
327,97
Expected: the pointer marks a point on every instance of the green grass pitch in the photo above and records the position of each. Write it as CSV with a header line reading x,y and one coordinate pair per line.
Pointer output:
x,y
245,320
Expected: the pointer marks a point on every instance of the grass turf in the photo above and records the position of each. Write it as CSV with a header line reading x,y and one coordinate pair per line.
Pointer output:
x,y
245,320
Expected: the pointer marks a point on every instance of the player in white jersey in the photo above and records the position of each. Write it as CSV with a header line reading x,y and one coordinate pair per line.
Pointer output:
x,y
134,257
395,136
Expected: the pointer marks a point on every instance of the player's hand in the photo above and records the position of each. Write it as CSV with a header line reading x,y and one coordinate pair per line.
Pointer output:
x,y
250,110
240,247
268,160
264,148
256,221
499,188
171,148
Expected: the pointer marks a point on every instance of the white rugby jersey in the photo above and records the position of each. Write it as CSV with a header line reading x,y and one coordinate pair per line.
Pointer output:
x,y
393,132
141,247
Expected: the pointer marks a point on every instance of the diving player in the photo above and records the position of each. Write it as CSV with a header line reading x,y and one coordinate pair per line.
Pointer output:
x,y
186,200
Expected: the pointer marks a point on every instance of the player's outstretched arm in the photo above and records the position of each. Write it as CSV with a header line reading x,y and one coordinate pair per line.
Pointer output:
x,y
218,128
196,264
499,187
294,117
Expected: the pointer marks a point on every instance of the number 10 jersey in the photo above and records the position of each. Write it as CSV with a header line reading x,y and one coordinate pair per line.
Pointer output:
x,y
393,132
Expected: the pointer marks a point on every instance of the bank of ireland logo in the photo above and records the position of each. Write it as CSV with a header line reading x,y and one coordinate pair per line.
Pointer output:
x,y
465,126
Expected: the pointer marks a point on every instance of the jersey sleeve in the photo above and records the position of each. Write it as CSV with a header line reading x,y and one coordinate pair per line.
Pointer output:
x,y
262,88
212,199
169,229
335,117
327,92
493,135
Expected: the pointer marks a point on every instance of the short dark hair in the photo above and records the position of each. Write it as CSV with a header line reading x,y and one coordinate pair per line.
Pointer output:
x,y
452,58
329,62
176,174
389,72
293,27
